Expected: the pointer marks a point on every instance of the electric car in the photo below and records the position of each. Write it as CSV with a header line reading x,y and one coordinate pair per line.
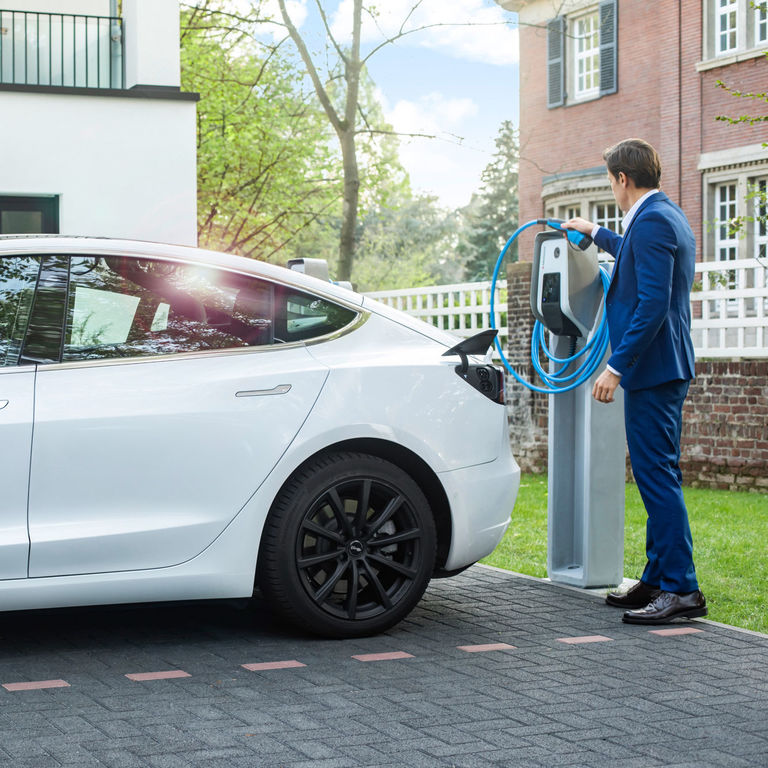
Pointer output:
x,y
181,424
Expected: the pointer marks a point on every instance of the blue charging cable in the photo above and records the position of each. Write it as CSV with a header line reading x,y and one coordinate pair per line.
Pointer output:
x,y
592,352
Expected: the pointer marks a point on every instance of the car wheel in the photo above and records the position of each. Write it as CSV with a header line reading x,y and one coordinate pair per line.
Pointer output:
x,y
348,547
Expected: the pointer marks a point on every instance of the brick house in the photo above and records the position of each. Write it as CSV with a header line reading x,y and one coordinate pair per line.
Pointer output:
x,y
98,137
593,73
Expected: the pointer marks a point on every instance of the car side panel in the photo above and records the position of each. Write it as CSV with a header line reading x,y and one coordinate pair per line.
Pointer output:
x,y
16,407
142,465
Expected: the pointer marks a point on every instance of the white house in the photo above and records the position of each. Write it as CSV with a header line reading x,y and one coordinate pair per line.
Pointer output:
x,y
97,136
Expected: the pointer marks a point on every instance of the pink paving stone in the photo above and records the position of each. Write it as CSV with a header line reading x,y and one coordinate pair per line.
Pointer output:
x,y
273,665
584,639
675,631
36,685
486,647
383,656
140,676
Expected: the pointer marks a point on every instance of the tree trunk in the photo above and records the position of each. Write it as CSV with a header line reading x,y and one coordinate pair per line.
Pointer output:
x,y
349,210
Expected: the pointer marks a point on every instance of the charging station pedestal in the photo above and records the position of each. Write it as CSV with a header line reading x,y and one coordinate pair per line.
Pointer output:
x,y
585,508
585,521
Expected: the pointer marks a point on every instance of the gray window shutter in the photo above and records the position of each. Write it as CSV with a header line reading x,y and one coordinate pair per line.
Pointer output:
x,y
556,62
609,81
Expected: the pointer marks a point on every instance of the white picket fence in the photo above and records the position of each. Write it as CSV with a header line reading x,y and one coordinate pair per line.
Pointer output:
x,y
462,308
729,304
730,311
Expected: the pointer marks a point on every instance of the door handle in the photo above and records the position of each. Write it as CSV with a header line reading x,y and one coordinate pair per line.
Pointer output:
x,y
3,403
280,389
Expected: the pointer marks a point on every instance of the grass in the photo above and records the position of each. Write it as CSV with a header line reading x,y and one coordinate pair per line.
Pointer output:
x,y
730,533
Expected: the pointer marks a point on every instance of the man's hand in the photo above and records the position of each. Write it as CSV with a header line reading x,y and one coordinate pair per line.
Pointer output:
x,y
580,225
605,386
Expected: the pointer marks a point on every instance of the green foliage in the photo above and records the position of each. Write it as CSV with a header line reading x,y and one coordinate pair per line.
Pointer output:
x,y
728,537
408,244
491,216
265,168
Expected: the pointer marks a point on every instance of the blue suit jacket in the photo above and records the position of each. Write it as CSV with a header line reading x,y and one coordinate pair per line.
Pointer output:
x,y
648,301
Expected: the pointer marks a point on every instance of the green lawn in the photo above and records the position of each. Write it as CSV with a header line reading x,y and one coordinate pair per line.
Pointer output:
x,y
730,546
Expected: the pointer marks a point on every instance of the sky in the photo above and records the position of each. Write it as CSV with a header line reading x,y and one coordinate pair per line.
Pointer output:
x,y
457,81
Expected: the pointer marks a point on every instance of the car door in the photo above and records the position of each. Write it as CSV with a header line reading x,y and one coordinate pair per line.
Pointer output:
x,y
18,275
172,402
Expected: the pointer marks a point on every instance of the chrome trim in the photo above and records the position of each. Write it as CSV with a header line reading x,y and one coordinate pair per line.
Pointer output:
x,y
3,403
362,317
280,389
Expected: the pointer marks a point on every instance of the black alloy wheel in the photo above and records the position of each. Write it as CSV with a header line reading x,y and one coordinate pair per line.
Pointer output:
x,y
349,546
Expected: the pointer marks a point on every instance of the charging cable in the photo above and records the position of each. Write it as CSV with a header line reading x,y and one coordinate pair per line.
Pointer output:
x,y
592,352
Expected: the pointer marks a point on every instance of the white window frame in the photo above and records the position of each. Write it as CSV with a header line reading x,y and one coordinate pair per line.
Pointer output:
x,y
760,228
743,37
726,27
611,218
761,24
586,55
727,242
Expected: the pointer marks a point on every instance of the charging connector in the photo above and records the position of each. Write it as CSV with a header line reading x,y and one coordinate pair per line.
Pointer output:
x,y
593,352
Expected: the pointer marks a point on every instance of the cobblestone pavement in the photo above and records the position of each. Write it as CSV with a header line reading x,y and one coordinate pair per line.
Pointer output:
x,y
557,680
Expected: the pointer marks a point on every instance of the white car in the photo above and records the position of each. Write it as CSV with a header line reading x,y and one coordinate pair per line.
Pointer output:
x,y
181,424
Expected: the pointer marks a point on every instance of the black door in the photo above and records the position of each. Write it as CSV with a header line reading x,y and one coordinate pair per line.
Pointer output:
x,y
29,215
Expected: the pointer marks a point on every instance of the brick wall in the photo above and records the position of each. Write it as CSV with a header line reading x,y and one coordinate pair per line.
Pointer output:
x,y
725,419
725,438
661,97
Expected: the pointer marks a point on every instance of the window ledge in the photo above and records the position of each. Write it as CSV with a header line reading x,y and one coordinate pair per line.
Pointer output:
x,y
582,99
733,58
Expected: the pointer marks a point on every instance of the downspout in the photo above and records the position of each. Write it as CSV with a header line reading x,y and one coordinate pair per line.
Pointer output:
x,y
117,78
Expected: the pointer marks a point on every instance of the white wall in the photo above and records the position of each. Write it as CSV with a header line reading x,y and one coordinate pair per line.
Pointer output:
x,y
151,31
124,167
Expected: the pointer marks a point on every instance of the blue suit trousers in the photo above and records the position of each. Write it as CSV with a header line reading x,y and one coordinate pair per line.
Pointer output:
x,y
653,419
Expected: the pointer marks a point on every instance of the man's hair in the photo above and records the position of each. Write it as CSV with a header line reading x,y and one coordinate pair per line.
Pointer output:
x,y
637,159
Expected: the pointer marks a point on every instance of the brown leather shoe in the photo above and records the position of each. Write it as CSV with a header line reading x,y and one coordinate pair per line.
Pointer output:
x,y
637,596
668,606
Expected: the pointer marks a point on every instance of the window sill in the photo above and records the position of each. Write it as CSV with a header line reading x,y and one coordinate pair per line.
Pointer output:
x,y
582,99
733,58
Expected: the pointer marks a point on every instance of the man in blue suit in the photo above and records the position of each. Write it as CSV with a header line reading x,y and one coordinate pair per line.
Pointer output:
x,y
649,321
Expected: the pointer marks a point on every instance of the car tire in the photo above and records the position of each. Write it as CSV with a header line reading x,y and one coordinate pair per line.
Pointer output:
x,y
348,547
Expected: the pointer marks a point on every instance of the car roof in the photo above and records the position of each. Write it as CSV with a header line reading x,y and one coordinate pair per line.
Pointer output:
x,y
14,245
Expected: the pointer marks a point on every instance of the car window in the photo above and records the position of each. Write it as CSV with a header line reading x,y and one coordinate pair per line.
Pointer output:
x,y
18,277
301,316
126,307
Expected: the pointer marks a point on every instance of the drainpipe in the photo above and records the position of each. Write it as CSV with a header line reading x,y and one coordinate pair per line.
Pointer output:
x,y
115,46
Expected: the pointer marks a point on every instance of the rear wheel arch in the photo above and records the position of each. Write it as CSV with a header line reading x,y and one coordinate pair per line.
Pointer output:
x,y
412,464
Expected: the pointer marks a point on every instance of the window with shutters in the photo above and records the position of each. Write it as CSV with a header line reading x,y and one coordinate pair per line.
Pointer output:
x,y
582,54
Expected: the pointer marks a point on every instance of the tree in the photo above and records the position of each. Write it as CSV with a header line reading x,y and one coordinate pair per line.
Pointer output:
x,y
406,244
491,216
266,171
346,116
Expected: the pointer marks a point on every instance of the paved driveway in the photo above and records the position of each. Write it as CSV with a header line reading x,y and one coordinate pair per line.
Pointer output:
x,y
491,669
